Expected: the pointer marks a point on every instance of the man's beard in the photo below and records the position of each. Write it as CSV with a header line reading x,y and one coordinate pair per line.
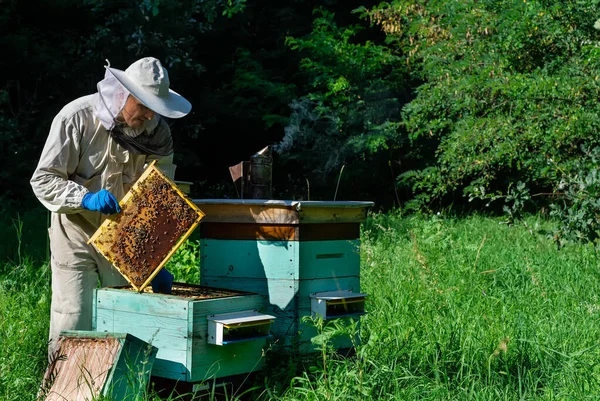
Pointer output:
x,y
147,126
151,139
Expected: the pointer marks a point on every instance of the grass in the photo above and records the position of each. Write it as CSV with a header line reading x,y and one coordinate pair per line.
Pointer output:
x,y
458,309
24,315
472,309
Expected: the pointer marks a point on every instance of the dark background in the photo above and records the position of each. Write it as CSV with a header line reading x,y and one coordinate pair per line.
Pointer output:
x,y
236,71
418,106
229,59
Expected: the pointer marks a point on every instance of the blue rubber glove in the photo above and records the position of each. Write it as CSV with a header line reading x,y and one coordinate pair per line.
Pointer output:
x,y
101,201
162,282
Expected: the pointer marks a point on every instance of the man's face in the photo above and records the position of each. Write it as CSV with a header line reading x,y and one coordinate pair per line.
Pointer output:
x,y
135,113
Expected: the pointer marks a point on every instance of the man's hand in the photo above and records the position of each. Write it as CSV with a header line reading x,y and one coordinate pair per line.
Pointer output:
x,y
101,201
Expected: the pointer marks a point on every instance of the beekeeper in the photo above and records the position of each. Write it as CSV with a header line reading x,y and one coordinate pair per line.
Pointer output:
x,y
98,146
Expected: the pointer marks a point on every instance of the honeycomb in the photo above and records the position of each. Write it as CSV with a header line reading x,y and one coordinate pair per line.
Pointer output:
x,y
155,219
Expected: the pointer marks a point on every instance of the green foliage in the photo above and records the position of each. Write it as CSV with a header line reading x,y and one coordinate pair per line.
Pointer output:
x,y
46,65
509,95
185,262
253,93
578,210
25,304
350,110
482,310
464,309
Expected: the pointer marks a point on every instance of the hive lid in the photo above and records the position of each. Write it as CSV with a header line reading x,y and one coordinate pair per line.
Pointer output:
x,y
88,365
155,219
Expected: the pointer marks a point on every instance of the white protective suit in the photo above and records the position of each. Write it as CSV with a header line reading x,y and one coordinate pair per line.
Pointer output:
x,y
80,156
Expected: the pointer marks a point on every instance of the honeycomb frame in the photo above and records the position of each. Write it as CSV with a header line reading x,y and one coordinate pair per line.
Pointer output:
x,y
156,218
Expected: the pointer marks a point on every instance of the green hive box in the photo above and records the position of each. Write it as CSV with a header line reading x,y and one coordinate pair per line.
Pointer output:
x,y
304,256
178,325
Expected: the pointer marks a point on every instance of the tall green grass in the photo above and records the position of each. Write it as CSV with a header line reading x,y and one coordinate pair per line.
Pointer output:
x,y
458,309
469,309
24,320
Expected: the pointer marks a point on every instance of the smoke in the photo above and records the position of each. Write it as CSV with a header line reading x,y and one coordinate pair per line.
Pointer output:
x,y
312,136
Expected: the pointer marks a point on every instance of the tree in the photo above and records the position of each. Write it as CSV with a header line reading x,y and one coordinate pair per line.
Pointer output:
x,y
508,106
348,116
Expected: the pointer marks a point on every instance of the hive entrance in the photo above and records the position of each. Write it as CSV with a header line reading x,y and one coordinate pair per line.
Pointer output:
x,y
155,219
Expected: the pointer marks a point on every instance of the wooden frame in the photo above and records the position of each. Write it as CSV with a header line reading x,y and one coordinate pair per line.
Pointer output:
x,y
156,218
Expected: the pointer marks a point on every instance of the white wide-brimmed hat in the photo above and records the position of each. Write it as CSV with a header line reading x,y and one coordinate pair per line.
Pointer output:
x,y
148,81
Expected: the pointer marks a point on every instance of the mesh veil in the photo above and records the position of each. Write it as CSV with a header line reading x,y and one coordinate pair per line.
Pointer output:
x,y
154,138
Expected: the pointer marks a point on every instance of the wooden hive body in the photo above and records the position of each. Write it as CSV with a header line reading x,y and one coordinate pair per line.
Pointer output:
x,y
177,325
90,364
285,250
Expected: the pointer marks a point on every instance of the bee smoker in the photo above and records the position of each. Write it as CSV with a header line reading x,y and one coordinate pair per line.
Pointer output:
x,y
253,179
261,174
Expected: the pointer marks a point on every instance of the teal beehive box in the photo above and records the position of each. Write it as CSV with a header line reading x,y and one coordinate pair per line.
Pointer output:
x,y
89,364
304,256
201,332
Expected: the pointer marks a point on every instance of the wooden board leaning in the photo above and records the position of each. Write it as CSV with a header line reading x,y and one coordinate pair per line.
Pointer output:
x,y
155,219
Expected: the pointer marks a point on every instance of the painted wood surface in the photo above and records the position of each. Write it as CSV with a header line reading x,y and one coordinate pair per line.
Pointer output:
x,y
249,231
278,259
114,365
286,272
282,211
280,232
329,259
285,250
215,361
281,301
178,326
289,300
278,292
248,259
145,304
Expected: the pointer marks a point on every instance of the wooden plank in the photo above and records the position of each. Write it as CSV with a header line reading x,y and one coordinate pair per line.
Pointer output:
x,y
143,304
177,326
170,336
278,292
309,286
282,212
248,259
280,232
200,310
329,259
132,372
248,213
167,334
248,231
83,368
215,361
332,215
92,364
268,260
170,369
281,302
329,231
